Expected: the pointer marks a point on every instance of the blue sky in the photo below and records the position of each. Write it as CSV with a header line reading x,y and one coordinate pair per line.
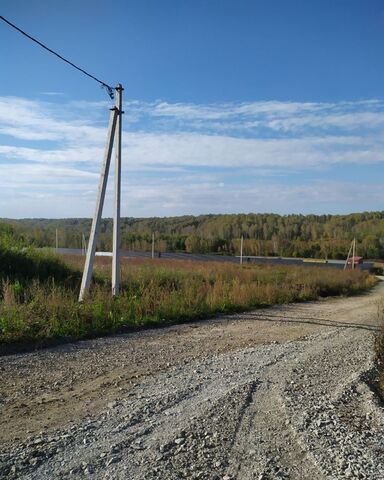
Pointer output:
x,y
231,106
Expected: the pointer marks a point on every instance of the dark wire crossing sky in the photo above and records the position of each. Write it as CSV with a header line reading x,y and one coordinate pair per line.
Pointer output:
x,y
108,88
200,50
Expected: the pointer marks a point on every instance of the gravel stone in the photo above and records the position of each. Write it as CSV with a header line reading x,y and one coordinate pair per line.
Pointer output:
x,y
300,409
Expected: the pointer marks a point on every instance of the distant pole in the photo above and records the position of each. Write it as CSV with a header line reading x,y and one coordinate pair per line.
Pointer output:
x,y
241,250
90,257
354,253
349,254
57,239
153,245
83,244
116,217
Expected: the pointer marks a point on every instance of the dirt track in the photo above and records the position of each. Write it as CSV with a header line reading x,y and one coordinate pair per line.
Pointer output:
x,y
274,393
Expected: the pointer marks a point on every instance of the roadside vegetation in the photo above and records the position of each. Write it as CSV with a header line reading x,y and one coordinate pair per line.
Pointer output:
x,y
38,308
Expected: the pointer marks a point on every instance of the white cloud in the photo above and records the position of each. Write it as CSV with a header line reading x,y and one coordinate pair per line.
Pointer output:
x,y
229,110
54,150
224,151
52,94
69,156
143,151
345,121
284,116
33,120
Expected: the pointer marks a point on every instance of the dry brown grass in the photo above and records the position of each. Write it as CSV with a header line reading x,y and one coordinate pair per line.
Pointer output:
x,y
159,291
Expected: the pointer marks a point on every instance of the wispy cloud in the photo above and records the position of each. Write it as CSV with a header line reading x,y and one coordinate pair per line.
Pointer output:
x,y
33,120
55,149
52,94
263,116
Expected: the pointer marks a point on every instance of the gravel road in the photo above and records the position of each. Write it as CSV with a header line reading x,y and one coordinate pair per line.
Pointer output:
x,y
277,393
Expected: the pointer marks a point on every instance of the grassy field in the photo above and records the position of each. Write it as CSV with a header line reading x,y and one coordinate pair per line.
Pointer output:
x,y
41,307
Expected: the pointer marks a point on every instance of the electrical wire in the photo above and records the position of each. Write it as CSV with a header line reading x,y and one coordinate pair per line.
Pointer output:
x,y
108,88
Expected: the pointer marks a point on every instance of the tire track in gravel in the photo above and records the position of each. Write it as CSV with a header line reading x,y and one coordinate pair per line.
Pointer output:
x,y
342,422
265,445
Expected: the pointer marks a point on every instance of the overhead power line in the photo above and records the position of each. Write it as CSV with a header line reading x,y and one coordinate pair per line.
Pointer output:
x,y
103,84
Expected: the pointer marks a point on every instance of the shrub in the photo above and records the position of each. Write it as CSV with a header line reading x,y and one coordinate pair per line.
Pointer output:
x,y
26,264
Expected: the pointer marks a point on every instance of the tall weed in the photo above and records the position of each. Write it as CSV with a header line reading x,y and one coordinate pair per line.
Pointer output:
x,y
154,292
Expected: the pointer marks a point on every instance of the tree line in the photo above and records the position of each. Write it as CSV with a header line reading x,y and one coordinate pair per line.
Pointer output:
x,y
316,236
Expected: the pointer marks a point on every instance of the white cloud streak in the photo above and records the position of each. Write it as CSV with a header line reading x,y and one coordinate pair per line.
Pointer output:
x,y
56,149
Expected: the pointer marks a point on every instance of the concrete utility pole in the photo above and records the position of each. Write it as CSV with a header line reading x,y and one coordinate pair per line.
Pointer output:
x,y
116,214
241,250
57,239
153,245
114,134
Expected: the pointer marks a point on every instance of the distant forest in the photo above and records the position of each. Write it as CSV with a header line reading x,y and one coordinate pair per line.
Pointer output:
x,y
317,236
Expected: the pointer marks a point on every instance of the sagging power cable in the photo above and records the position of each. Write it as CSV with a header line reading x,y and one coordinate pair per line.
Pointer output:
x,y
108,88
